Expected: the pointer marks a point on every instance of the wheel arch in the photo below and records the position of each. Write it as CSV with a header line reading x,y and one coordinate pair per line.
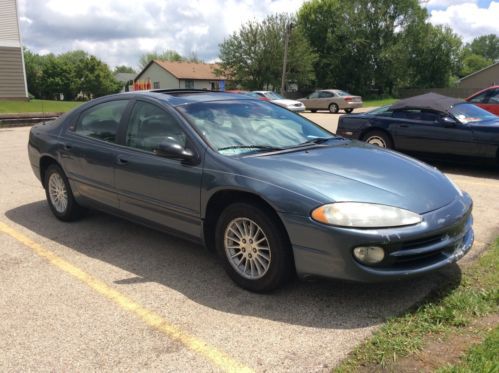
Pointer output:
x,y
45,162
223,198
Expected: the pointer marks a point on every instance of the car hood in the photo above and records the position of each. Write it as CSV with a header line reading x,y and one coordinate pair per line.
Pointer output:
x,y
355,171
286,102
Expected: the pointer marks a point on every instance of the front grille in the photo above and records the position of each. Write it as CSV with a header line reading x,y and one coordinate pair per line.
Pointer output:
x,y
427,250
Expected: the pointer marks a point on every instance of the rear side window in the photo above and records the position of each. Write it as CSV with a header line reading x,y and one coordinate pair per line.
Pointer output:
x,y
101,121
324,94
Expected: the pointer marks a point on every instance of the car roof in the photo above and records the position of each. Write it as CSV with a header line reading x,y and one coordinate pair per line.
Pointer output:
x,y
177,97
482,91
428,101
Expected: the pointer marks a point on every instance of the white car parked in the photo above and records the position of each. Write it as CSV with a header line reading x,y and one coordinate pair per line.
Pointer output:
x,y
292,105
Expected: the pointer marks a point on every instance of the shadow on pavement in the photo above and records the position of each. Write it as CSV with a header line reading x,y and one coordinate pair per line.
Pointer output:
x,y
479,169
195,272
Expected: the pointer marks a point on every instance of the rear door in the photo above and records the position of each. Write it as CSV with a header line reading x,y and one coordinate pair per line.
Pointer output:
x,y
162,190
325,98
89,151
424,131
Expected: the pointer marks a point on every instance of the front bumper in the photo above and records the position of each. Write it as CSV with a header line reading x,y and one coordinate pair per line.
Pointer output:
x,y
444,237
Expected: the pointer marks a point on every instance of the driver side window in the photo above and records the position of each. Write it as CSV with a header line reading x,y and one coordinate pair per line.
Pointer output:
x,y
314,95
480,99
149,125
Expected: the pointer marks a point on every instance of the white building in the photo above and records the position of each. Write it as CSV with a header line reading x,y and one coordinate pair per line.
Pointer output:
x,y
12,73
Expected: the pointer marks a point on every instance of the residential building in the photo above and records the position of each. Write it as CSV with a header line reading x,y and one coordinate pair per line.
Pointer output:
x,y
171,75
12,72
481,79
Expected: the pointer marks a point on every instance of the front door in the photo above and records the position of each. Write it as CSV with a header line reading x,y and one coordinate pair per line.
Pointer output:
x,y
162,190
424,131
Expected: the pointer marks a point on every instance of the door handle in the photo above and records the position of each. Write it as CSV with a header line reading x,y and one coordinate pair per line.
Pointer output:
x,y
67,147
404,126
121,161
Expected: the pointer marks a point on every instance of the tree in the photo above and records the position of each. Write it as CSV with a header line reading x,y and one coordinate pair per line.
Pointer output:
x,y
167,55
486,46
70,73
363,45
123,69
472,63
253,55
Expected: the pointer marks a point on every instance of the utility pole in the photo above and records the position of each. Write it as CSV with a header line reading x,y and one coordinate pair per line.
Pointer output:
x,y
287,32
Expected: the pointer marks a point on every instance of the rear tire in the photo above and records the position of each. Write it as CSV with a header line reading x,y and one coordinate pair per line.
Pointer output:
x,y
333,108
254,249
349,110
59,195
378,138
313,110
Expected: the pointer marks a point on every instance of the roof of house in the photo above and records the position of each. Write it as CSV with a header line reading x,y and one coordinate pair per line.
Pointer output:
x,y
124,77
188,70
479,71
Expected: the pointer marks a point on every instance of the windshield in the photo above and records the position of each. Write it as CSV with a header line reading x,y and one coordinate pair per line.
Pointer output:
x,y
381,110
273,96
469,113
244,126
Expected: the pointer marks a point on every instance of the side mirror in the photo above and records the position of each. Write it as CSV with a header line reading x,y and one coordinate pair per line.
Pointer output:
x,y
169,148
448,121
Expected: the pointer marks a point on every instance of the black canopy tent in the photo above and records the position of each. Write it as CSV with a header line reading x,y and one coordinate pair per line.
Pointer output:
x,y
428,101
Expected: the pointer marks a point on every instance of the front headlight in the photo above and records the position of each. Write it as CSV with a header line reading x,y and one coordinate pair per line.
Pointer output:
x,y
364,215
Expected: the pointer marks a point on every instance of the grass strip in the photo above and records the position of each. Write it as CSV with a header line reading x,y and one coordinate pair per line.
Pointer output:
x,y
37,106
376,103
449,307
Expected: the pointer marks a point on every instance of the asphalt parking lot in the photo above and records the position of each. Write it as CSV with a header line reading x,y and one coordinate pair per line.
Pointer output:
x,y
106,294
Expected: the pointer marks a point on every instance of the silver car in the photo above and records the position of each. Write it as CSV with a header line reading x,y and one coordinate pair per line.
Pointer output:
x,y
332,100
292,105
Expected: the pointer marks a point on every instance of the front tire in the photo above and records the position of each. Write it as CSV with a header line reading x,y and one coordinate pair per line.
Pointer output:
x,y
253,247
333,108
348,110
59,195
378,138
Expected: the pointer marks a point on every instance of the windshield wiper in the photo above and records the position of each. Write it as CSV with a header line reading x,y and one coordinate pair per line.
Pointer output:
x,y
259,147
319,140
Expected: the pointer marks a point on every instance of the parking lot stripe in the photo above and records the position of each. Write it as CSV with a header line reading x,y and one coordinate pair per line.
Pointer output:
x,y
217,357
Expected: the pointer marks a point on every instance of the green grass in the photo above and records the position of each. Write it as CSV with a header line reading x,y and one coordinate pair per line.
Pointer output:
x,y
449,308
481,358
383,102
36,106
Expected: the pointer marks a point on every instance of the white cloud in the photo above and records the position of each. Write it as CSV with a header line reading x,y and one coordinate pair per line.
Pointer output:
x,y
446,3
119,31
468,20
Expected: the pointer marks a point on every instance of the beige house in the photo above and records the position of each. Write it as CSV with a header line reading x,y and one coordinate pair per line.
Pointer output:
x,y
481,79
12,73
172,75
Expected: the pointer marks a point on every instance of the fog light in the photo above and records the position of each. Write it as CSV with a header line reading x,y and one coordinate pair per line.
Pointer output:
x,y
369,254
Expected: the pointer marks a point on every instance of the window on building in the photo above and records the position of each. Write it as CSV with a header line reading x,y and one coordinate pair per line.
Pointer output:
x,y
189,84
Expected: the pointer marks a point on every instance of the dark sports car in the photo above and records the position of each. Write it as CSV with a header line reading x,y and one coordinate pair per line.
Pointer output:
x,y
429,124
270,191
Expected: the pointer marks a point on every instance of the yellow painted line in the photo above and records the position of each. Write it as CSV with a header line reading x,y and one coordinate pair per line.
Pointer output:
x,y
218,358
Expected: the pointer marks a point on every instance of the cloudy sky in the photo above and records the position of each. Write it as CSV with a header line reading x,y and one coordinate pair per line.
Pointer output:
x,y
119,31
